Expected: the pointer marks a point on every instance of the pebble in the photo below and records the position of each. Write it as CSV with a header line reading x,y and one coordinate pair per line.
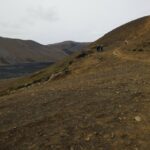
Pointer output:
x,y
120,106
72,148
117,92
138,118
112,135
88,137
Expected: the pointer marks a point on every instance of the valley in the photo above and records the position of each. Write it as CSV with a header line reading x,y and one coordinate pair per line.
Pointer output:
x,y
90,100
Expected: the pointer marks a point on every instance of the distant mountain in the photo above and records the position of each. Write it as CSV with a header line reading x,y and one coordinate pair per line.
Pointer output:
x,y
16,51
69,47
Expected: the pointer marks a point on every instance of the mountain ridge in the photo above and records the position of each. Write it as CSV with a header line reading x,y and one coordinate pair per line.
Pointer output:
x,y
16,51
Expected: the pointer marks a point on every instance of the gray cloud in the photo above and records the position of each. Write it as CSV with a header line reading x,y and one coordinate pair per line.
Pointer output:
x,y
9,25
31,17
44,14
49,21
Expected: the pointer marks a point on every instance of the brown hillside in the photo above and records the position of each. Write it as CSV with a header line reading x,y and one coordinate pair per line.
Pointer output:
x,y
135,33
89,101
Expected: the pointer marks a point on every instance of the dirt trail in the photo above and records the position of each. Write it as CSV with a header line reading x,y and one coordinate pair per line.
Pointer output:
x,y
119,54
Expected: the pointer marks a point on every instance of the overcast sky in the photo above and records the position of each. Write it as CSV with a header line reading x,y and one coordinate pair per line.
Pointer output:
x,y
50,21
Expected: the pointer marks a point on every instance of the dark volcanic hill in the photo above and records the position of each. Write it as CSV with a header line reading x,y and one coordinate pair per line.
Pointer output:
x,y
15,51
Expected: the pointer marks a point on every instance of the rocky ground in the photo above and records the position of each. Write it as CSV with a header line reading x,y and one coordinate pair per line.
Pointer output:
x,y
102,104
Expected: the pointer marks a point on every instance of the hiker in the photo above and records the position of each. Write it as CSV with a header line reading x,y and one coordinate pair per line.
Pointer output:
x,y
99,48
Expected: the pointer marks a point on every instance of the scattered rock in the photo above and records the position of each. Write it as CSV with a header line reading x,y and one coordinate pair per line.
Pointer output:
x,y
135,110
138,118
120,118
120,106
32,94
88,137
112,135
117,92
56,75
106,136
71,148
124,118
